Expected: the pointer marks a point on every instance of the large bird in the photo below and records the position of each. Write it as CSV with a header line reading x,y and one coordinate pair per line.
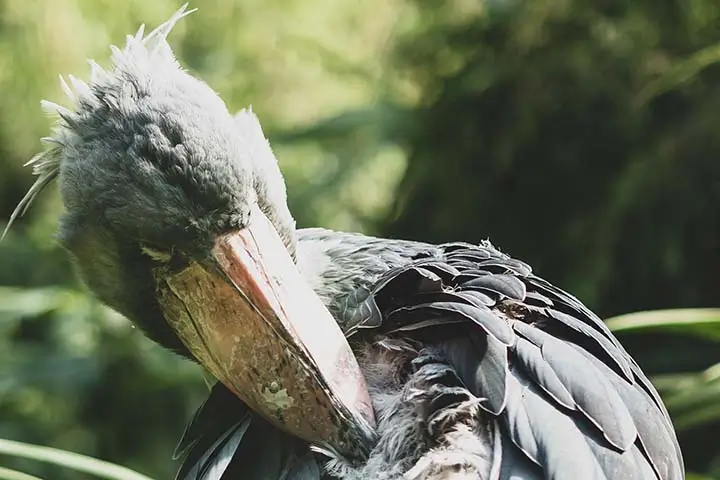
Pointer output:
x,y
476,367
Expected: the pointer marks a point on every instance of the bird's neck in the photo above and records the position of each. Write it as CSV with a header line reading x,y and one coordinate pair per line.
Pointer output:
x,y
342,268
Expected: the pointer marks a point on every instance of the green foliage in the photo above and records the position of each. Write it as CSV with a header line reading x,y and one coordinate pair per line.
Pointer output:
x,y
701,322
680,73
8,474
692,397
65,459
579,136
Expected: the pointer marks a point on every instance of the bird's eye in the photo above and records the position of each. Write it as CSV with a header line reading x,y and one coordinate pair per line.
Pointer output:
x,y
155,254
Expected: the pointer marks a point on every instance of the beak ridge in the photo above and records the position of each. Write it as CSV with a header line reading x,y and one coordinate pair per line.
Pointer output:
x,y
258,327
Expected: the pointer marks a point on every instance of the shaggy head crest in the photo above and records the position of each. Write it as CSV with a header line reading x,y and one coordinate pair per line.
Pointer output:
x,y
141,52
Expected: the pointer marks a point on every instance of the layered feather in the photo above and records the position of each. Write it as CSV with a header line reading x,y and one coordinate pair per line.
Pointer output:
x,y
565,395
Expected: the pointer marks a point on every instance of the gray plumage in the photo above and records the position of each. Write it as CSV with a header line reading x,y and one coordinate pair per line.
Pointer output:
x,y
476,367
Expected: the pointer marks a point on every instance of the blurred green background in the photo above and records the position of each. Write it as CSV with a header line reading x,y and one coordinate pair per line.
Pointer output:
x,y
581,136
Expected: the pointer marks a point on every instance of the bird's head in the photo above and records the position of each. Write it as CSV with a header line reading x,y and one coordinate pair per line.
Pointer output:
x,y
175,215
150,163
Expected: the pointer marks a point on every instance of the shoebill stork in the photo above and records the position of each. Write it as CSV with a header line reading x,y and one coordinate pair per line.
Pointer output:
x,y
475,367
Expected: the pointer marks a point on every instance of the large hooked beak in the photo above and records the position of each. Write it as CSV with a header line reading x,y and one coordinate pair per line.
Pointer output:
x,y
249,317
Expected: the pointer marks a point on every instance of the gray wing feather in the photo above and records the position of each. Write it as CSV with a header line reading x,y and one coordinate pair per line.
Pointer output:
x,y
212,464
593,394
538,368
529,357
546,435
656,442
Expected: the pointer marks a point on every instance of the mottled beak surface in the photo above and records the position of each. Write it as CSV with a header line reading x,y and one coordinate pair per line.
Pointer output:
x,y
248,317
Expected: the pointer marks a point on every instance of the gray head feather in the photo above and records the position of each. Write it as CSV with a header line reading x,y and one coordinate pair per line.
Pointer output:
x,y
46,165
150,161
149,151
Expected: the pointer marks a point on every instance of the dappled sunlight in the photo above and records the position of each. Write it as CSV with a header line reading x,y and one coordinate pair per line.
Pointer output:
x,y
580,138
